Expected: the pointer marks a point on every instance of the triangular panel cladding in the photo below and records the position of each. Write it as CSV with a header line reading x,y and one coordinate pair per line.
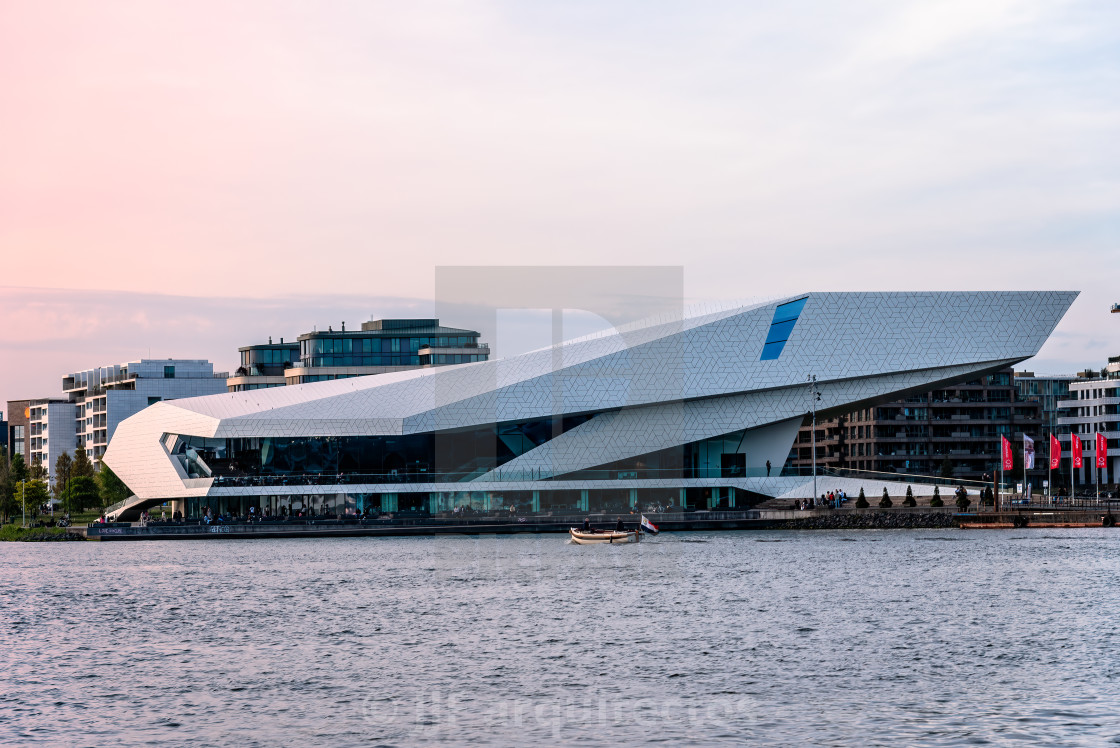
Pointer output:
x,y
667,381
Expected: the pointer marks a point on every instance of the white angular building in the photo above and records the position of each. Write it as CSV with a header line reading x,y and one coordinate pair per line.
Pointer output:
x,y
698,411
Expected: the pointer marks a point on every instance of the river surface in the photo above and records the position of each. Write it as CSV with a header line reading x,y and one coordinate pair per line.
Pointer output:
x,y
909,637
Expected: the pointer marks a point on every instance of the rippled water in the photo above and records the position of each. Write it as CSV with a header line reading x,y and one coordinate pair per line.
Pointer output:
x,y
835,638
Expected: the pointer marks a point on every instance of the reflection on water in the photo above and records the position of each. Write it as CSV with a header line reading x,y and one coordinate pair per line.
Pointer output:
x,y
890,637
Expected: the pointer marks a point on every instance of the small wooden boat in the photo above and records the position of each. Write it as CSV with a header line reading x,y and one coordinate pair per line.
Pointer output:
x,y
584,537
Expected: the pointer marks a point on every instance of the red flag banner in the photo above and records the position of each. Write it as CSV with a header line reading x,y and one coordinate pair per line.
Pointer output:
x,y
1008,462
1075,450
1055,453
1101,452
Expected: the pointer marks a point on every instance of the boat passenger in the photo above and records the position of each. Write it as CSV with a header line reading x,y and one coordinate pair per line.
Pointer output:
x,y
587,524
618,526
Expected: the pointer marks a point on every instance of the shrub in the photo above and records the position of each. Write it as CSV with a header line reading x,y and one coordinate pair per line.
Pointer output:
x,y
16,532
886,502
936,500
909,500
861,502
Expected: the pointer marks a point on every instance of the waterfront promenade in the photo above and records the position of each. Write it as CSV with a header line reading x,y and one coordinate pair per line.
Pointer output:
x,y
751,519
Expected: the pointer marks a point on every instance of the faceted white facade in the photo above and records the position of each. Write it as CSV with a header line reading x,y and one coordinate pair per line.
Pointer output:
x,y
631,392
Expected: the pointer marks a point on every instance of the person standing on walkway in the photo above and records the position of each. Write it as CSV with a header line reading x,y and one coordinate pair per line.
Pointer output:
x,y
768,468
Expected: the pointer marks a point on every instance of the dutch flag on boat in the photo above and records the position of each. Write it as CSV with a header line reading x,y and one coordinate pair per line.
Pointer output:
x,y
649,526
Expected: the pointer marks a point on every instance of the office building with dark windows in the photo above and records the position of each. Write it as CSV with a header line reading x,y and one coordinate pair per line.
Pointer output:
x,y
692,411
1047,390
17,428
263,366
953,431
378,347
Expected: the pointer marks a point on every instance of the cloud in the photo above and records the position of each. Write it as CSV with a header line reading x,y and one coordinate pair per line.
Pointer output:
x,y
345,149
49,333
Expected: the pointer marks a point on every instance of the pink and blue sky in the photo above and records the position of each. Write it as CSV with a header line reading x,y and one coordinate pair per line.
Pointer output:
x,y
187,177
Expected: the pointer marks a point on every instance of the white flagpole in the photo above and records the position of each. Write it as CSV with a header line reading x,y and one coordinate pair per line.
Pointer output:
x,y
1072,436
1049,467
999,494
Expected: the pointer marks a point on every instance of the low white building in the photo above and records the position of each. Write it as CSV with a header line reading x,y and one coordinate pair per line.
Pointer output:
x,y
1093,407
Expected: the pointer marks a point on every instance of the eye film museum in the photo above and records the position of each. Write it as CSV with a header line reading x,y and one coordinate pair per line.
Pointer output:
x,y
692,411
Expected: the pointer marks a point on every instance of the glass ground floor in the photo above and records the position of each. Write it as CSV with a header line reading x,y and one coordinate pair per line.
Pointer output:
x,y
590,500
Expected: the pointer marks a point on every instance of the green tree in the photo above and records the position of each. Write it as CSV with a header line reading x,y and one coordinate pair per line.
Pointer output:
x,y
33,495
861,502
886,502
10,490
936,500
83,494
6,504
18,468
909,500
37,471
82,464
112,488
62,467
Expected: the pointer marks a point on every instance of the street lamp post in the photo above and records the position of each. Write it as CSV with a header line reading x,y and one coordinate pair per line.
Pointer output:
x,y
814,396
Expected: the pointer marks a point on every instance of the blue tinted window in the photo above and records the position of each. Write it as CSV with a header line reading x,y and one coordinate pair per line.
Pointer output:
x,y
781,327
780,331
771,351
789,312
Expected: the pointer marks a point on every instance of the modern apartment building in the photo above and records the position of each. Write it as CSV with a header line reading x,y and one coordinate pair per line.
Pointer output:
x,y
105,396
954,429
1047,391
378,347
1093,407
50,431
263,365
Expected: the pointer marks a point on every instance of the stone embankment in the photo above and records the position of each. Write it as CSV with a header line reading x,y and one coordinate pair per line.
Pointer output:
x,y
871,520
